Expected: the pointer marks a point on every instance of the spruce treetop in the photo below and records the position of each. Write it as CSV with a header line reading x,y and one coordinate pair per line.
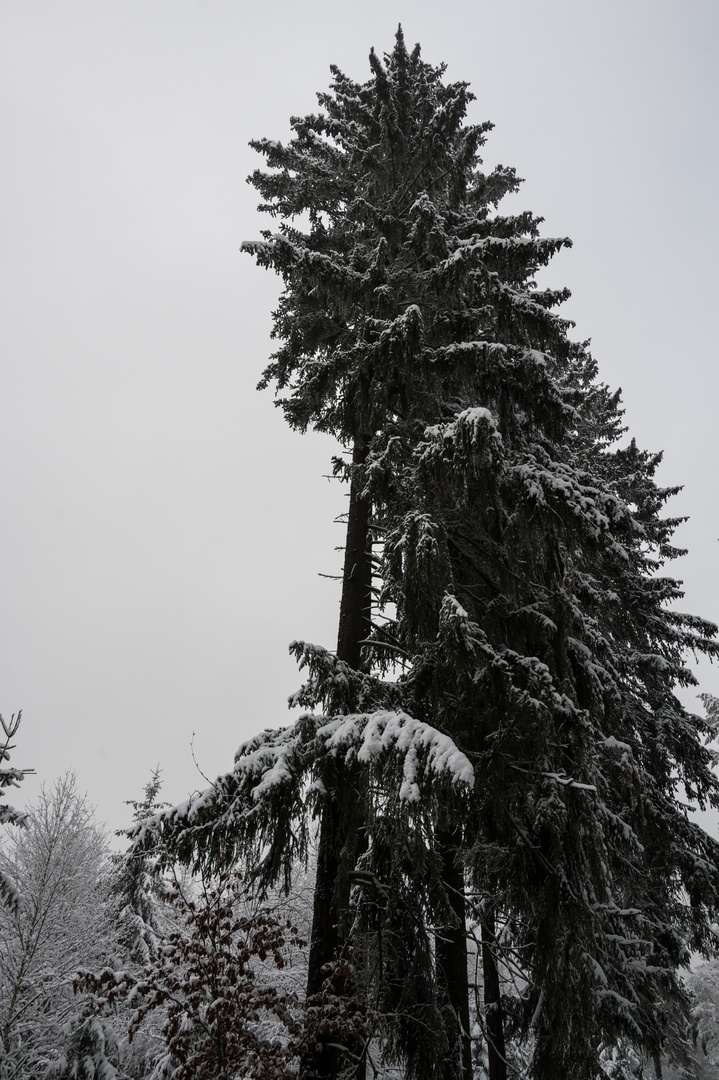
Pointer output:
x,y
392,252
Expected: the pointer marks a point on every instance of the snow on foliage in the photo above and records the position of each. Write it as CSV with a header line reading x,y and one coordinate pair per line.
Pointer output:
x,y
9,893
534,645
57,860
370,736
220,992
277,768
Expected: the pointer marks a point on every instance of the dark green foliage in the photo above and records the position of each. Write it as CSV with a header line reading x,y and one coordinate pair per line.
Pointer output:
x,y
519,692
9,778
91,1050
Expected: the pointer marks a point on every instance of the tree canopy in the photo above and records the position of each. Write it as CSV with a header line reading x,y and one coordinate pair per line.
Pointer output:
x,y
510,722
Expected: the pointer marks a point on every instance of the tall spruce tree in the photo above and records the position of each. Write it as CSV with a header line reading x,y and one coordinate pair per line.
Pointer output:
x,y
382,175
512,722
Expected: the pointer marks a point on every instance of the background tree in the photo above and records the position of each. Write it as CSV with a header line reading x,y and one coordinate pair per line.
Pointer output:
x,y
135,887
90,1050
140,911
702,1038
57,862
214,980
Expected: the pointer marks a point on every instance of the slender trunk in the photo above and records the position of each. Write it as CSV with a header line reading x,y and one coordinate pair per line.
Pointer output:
x,y
452,960
341,823
494,1018
355,605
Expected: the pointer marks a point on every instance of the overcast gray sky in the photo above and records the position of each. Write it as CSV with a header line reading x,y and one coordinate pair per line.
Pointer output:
x,y
161,531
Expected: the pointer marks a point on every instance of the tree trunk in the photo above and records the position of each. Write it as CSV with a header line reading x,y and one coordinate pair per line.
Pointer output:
x,y
356,604
494,1018
341,821
452,960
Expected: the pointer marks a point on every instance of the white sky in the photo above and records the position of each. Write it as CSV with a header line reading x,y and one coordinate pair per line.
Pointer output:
x,y
161,531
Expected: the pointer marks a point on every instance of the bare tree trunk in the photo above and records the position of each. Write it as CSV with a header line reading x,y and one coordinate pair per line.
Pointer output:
x,y
356,603
452,960
494,1018
341,821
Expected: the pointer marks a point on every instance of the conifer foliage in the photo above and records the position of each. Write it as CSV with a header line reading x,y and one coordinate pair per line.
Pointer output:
x,y
498,732
135,886
9,778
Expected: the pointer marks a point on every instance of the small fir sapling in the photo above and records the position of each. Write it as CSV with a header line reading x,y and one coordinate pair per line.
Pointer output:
x,y
9,778
90,1049
135,884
